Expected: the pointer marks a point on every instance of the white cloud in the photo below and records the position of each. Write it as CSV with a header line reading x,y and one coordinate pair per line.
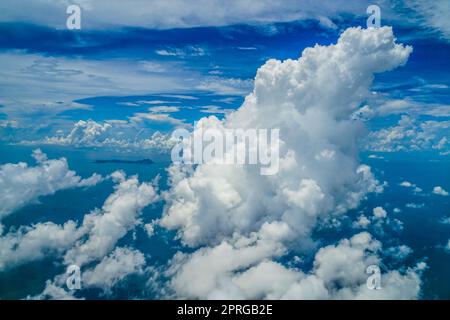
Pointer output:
x,y
22,184
221,85
119,214
242,221
167,109
379,213
92,240
413,205
408,184
432,15
407,106
444,220
66,79
36,242
150,228
53,292
362,222
213,203
399,252
114,268
339,272
410,135
179,14
110,133
440,191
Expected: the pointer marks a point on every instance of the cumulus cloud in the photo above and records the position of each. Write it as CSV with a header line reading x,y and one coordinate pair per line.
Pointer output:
x,y
90,241
112,134
53,292
338,272
431,15
113,268
243,221
118,215
22,184
408,184
179,14
36,242
440,191
362,222
379,213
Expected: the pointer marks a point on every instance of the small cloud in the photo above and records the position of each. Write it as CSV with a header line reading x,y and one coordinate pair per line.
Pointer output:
x,y
445,220
164,109
408,184
379,212
440,191
247,48
362,222
413,205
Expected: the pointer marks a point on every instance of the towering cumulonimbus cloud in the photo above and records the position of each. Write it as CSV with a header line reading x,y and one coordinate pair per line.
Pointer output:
x,y
242,220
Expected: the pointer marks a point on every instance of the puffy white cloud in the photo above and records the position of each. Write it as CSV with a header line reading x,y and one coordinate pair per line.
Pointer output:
x,y
431,15
243,221
444,220
399,252
114,268
379,213
22,184
118,215
112,134
362,222
339,272
179,14
408,184
150,228
36,242
410,135
214,202
440,191
92,240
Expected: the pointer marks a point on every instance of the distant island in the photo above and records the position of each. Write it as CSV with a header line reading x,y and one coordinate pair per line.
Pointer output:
x,y
143,161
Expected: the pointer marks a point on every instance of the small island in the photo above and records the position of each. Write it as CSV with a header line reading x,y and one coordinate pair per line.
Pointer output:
x,y
143,161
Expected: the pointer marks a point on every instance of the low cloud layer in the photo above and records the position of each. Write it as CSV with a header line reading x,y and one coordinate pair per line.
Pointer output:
x,y
22,184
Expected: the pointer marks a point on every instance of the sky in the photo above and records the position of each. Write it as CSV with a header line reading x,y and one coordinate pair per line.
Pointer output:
x,y
350,103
